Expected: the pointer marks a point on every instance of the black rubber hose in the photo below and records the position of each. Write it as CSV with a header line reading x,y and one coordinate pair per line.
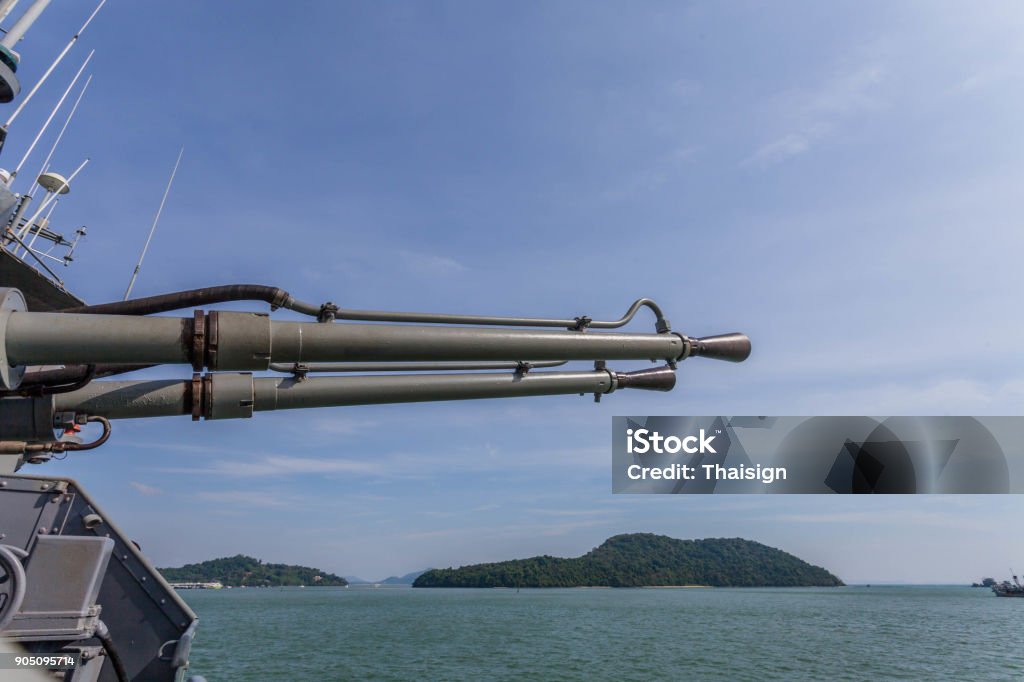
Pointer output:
x,y
103,634
179,300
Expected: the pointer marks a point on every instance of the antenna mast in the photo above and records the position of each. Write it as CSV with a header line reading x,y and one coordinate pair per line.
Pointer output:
x,y
71,115
152,229
22,25
5,8
62,186
46,125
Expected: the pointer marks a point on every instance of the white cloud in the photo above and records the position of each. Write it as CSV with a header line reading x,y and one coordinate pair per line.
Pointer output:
x,y
816,114
249,498
847,93
342,426
145,489
430,264
779,150
953,396
884,517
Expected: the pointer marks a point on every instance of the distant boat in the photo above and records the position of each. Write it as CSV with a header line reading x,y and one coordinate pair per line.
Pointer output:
x,y
1008,589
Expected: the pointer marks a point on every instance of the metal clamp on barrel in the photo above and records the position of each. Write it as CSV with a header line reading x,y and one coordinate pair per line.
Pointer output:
x,y
11,301
228,396
238,341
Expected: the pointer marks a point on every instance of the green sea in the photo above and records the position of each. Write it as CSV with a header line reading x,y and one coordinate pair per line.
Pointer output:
x,y
847,633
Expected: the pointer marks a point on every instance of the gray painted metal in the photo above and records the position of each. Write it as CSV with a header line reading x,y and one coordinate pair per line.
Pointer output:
x,y
409,366
288,393
26,419
239,395
121,399
11,373
59,338
249,341
63,579
141,610
350,342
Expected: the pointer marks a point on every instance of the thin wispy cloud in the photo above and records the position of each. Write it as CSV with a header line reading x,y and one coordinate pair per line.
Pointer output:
x,y
145,489
484,458
249,498
281,465
884,517
430,264
954,396
342,425
791,144
818,113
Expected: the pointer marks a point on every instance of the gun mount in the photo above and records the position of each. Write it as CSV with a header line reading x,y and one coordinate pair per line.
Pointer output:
x,y
72,584
51,368
458,351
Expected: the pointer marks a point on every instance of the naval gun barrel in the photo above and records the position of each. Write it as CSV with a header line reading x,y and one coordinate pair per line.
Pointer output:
x,y
237,341
231,395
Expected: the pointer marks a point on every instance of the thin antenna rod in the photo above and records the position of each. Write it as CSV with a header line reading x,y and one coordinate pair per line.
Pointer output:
x,y
156,219
48,200
49,118
52,66
5,8
46,163
45,223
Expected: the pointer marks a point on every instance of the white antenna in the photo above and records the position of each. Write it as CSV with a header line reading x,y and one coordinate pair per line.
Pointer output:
x,y
5,8
49,118
45,223
156,219
57,61
22,25
46,163
55,185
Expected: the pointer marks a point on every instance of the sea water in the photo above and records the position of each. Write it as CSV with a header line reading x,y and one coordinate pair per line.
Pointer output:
x,y
847,633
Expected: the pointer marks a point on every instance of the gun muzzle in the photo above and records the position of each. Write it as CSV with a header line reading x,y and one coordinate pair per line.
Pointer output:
x,y
655,379
733,347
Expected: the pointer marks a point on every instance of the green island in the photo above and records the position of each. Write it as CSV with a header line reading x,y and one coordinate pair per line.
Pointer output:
x,y
645,560
246,571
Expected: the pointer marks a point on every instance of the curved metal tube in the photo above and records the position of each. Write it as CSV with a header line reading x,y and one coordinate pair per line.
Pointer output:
x,y
74,447
444,318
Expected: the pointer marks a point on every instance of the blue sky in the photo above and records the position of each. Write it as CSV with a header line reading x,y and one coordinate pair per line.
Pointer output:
x,y
841,181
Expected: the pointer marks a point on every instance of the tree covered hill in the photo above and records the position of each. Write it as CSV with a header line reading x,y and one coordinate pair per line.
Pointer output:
x,y
241,570
645,559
